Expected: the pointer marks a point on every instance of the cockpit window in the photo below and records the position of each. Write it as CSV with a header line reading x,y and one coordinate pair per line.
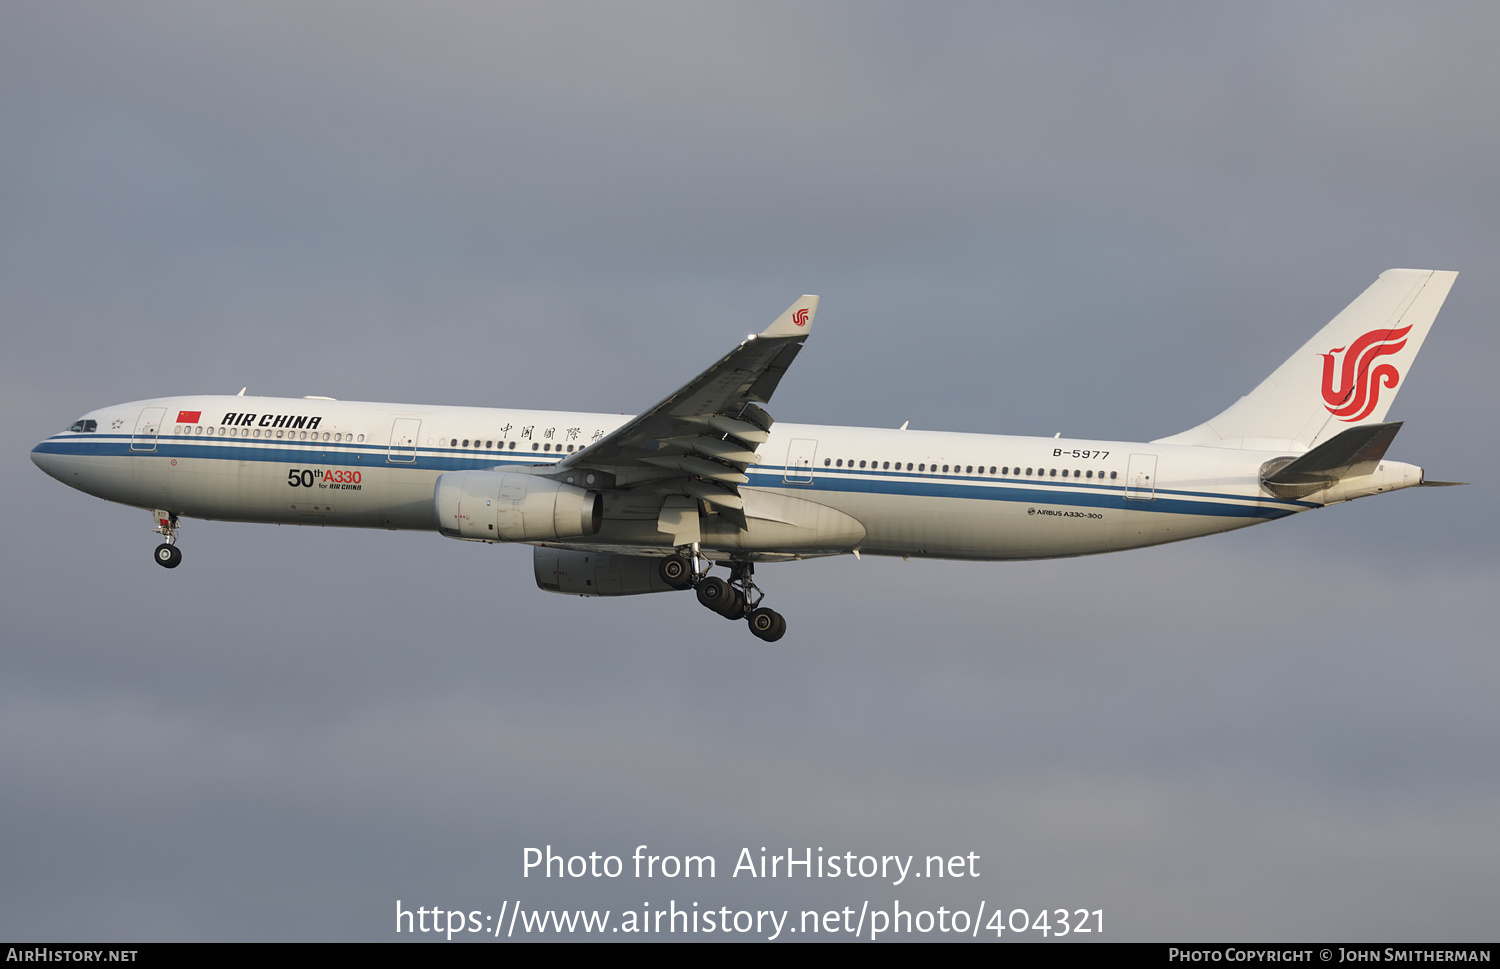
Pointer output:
x,y
84,426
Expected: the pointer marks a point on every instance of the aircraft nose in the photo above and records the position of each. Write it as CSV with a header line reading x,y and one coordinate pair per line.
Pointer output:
x,y
46,460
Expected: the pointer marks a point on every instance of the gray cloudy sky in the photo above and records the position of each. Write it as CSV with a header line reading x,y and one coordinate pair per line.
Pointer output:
x,y
1105,220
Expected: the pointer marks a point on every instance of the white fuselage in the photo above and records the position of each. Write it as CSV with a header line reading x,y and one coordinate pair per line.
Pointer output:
x,y
924,493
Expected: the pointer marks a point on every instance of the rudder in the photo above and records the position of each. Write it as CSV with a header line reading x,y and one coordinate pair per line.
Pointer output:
x,y
1345,376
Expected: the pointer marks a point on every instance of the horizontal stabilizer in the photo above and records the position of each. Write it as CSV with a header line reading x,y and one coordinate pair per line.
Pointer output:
x,y
1351,454
1441,484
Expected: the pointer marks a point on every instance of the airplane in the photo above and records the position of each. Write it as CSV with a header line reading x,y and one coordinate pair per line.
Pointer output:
x,y
616,505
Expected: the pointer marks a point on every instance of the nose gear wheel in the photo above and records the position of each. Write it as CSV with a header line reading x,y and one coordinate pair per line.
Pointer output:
x,y
167,554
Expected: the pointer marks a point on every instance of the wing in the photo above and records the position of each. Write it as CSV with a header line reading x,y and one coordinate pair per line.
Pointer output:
x,y
700,439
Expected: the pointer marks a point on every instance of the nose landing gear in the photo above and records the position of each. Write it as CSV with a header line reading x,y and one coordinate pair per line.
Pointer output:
x,y
738,598
167,554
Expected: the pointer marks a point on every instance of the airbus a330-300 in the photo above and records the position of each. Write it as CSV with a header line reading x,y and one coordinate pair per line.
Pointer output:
x,y
616,505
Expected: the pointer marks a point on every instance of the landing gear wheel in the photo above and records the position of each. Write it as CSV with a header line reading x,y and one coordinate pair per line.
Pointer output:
x,y
715,593
767,624
168,556
734,608
675,572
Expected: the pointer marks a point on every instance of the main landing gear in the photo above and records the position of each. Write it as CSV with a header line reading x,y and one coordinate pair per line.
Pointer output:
x,y
738,598
167,554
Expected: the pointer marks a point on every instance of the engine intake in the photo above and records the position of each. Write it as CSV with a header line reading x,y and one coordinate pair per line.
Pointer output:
x,y
499,506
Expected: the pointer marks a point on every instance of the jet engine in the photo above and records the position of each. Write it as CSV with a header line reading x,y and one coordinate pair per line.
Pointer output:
x,y
597,574
499,506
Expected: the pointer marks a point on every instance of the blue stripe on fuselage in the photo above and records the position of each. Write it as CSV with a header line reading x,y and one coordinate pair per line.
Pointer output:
x,y
368,456
990,489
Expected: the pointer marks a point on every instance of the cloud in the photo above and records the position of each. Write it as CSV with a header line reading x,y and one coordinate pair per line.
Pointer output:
x,y
1105,223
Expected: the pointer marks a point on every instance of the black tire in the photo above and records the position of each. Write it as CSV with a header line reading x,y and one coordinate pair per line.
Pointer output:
x,y
714,593
168,556
767,624
675,572
734,606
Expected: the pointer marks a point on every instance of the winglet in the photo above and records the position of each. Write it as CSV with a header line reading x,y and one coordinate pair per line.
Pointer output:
x,y
796,321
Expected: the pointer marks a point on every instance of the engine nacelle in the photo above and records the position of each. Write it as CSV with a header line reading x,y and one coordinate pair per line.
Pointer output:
x,y
499,506
596,574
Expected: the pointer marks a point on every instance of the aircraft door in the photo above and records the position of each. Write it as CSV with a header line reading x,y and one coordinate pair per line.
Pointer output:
x,y
1140,477
147,426
403,448
799,461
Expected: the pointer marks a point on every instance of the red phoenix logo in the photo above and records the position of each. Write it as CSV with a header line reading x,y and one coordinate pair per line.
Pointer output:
x,y
800,317
1358,388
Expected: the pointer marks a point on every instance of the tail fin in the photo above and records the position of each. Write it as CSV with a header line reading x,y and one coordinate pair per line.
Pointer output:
x,y
1344,377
